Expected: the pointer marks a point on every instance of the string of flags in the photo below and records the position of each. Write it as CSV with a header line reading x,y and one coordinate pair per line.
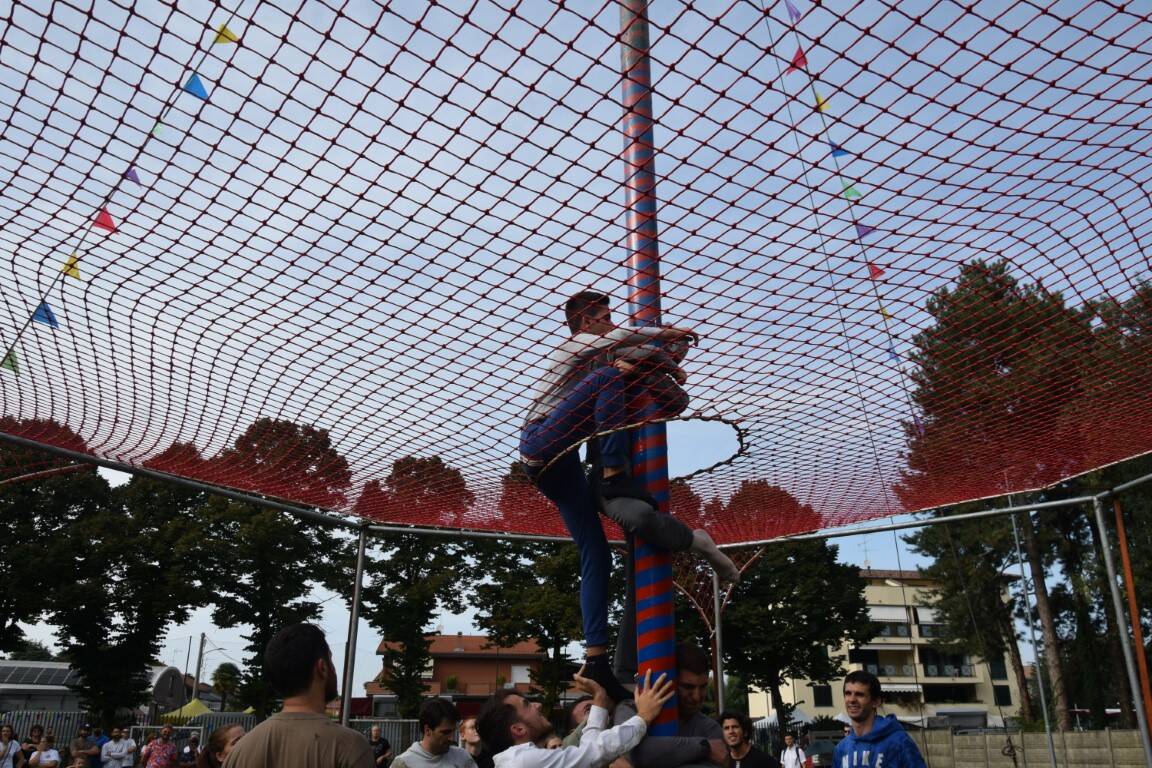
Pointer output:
x,y
852,194
103,219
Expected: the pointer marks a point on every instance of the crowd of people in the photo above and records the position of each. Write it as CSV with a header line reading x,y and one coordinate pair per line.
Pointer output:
x,y
509,731
92,748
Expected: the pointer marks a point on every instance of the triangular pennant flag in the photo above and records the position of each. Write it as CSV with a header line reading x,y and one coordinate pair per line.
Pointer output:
x,y
44,314
156,129
225,35
850,191
875,272
838,151
71,267
919,425
793,11
798,62
863,230
821,102
196,88
9,362
892,353
131,175
104,221
884,313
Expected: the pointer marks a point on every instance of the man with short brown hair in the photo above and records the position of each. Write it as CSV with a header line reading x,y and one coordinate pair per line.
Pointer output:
x,y
875,741
298,666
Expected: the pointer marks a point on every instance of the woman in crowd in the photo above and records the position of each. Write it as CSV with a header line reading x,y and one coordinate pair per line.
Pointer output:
x,y
45,755
30,744
11,756
220,744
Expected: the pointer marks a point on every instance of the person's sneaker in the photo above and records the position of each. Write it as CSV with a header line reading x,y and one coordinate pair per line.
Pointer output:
x,y
622,486
599,668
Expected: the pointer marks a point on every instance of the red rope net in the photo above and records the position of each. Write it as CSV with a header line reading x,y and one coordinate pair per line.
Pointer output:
x,y
320,254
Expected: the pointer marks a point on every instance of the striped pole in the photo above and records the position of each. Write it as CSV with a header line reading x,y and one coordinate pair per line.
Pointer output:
x,y
654,598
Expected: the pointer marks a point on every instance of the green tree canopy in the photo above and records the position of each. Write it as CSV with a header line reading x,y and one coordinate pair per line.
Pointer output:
x,y
412,578
790,608
265,563
226,680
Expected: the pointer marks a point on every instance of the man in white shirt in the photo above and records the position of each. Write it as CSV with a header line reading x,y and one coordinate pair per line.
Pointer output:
x,y
792,756
114,753
515,729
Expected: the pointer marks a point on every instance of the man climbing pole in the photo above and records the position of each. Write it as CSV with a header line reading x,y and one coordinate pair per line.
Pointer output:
x,y
592,386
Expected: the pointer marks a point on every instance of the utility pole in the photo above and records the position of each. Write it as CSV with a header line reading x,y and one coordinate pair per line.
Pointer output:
x,y
199,662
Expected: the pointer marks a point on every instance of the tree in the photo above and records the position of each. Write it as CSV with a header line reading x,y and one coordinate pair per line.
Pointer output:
x,y
33,650
33,512
766,510
264,580
970,560
528,595
789,608
272,559
998,375
411,578
225,680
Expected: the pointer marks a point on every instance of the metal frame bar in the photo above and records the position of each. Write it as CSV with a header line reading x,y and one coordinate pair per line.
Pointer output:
x,y
353,627
1122,628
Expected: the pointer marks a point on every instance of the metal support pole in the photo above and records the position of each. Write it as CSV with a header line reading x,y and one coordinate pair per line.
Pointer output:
x,y
1133,608
1032,634
655,593
716,612
353,626
1122,627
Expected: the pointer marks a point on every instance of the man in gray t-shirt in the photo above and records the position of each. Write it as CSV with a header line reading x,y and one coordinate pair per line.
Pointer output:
x,y
298,666
701,739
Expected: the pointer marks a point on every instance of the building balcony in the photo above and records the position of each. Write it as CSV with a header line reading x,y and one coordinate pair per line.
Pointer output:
x,y
958,673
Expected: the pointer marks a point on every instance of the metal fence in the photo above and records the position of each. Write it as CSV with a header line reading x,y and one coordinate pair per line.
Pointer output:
x,y
399,733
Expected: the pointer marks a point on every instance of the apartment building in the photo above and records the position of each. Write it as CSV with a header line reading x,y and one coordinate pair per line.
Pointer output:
x,y
924,684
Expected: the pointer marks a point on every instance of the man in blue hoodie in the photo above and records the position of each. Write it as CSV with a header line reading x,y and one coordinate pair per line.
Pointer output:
x,y
874,741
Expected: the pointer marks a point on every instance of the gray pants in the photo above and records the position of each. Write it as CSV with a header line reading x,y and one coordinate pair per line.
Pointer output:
x,y
659,530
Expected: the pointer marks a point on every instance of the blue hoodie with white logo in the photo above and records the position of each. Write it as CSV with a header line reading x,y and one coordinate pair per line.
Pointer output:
x,y
885,746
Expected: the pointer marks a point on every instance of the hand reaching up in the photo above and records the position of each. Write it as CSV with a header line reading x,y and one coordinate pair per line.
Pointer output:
x,y
651,697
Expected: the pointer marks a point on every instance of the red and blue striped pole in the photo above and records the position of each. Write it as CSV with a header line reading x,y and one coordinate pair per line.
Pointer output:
x,y
655,593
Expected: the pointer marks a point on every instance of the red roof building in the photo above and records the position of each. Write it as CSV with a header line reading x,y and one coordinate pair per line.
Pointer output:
x,y
465,668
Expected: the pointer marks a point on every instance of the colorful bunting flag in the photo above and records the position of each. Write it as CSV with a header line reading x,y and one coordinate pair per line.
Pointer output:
x,y
799,61
131,175
104,221
919,425
884,313
821,103
9,362
225,35
850,191
863,230
793,11
196,88
45,315
156,129
837,150
892,354
71,267
875,272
